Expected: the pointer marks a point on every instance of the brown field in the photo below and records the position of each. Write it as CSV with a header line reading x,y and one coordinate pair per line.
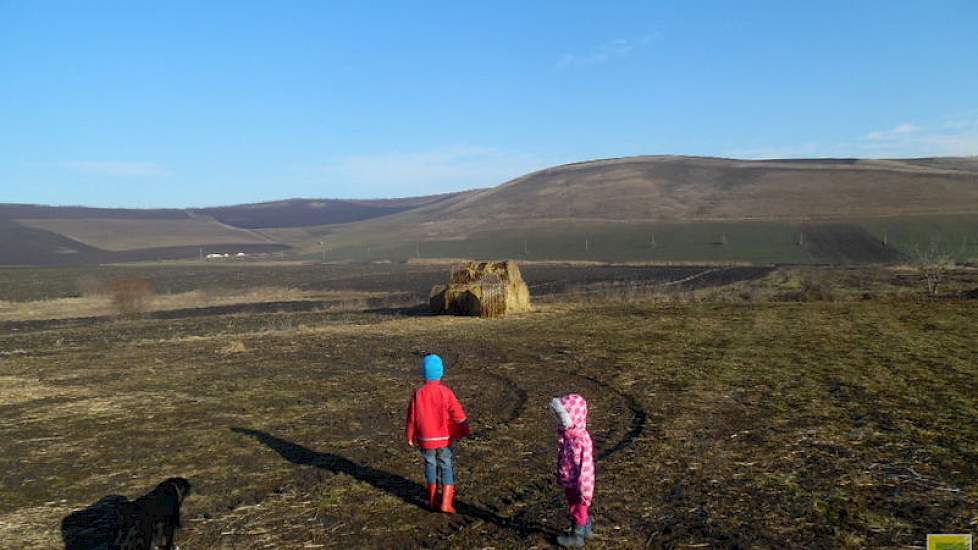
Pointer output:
x,y
750,412
131,234
102,304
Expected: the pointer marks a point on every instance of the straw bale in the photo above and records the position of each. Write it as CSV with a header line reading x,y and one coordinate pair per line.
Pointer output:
x,y
486,289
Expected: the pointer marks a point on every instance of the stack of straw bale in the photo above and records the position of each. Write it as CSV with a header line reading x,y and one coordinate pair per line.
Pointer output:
x,y
483,289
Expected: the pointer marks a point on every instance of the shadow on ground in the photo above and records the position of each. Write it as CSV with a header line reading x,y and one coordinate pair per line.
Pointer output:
x,y
418,310
408,491
96,526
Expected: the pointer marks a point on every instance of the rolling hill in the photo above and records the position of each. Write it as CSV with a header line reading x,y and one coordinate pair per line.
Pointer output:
x,y
684,189
49,235
656,208
693,209
306,212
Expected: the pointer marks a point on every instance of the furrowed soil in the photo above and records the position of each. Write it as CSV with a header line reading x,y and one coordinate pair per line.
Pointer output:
x,y
716,425
32,284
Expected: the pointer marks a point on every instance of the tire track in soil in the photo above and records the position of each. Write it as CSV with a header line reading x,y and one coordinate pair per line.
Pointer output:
x,y
640,418
540,493
517,410
546,497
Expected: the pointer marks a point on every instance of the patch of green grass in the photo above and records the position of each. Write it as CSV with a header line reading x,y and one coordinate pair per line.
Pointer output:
x,y
759,242
854,241
957,235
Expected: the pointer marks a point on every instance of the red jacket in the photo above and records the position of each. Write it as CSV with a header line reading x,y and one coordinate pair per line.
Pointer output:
x,y
435,418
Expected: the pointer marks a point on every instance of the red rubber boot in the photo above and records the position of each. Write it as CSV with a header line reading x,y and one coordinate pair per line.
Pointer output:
x,y
447,496
433,497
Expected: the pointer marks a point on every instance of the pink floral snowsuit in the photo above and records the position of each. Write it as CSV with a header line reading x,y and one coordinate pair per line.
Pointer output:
x,y
575,461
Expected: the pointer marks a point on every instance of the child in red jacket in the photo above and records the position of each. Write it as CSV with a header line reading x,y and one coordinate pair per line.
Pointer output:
x,y
435,419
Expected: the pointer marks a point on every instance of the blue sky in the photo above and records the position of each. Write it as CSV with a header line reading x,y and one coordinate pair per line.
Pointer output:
x,y
183,104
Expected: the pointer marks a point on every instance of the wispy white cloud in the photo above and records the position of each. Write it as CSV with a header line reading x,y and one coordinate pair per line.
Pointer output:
x,y
957,137
954,136
398,173
118,169
900,130
604,53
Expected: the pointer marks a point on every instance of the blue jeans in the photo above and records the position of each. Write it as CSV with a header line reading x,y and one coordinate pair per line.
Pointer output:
x,y
438,461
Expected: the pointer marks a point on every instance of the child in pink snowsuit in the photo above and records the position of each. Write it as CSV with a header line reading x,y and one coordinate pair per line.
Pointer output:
x,y
575,465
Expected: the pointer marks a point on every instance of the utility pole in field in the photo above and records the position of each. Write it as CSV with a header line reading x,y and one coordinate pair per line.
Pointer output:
x,y
323,245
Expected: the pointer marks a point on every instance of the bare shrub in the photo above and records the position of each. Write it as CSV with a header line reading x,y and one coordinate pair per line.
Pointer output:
x,y
933,265
749,294
92,286
236,346
617,292
131,295
815,290
281,324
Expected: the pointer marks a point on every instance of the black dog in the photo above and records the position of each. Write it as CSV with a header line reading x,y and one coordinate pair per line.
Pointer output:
x,y
151,520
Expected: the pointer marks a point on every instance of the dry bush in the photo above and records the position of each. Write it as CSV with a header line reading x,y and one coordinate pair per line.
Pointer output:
x,y
815,290
281,324
749,294
131,295
236,346
728,294
796,285
933,265
620,292
92,286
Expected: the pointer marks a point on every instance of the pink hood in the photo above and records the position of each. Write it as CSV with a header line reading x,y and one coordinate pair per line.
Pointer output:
x,y
571,409
575,462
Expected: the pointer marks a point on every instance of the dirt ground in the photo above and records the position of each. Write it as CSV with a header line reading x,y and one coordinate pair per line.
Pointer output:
x,y
717,425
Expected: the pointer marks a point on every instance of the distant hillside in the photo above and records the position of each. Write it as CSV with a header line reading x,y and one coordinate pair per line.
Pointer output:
x,y
24,245
307,212
36,211
684,189
845,204
657,208
48,235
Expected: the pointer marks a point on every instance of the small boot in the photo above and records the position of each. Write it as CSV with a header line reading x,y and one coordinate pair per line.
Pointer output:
x,y
575,538
447,496
433,497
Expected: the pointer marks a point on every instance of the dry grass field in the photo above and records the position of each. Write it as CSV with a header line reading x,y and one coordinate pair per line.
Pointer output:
x,y
753,414
105,304
133,234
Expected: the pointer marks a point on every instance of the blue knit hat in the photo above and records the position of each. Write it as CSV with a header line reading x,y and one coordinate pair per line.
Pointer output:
x,y
433,367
